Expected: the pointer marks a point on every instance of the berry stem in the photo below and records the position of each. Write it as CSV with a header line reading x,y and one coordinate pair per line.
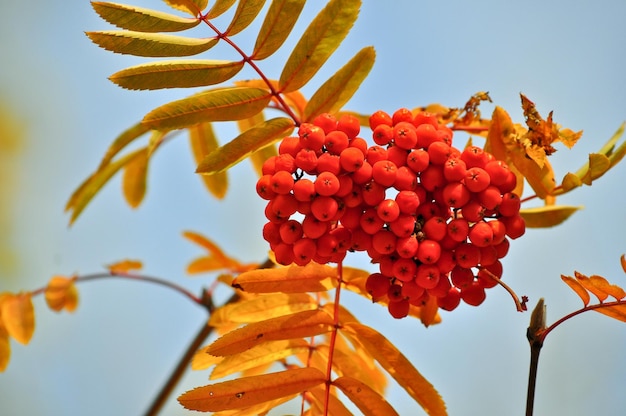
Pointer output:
x,y
333,337
519,305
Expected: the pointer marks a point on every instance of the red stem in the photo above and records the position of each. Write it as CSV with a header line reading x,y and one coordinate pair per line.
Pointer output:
x,y
333,337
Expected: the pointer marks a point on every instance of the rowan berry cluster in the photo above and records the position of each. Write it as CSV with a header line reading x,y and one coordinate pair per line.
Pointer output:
x,y
435,219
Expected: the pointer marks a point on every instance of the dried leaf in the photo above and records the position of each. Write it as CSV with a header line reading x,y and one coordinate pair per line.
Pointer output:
x,y
245,144
247,11
18,316
193,7
219,7
140,19
269,306
547,215
224,104
280,19
61,294
249,391
149,44
577,287
297,325
134,179
367,400
321,38
398,366
203,142
292,279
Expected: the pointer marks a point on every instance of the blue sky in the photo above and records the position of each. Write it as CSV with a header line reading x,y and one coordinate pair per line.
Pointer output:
x,y
112,355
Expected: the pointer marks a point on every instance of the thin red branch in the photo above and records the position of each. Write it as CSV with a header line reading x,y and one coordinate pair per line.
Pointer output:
x,y
333,337
520,305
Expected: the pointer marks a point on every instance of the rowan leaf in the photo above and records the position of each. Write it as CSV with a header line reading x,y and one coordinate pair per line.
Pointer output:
x,y
615,155
245,144
258,157
313,277
219,7
577,287
570,181
247,11
398,366
176,74
335,406
121,141
193,7
216,260
266,353
588,284
203,142
597,166
141,19
134,179
258,409
5,345
124,266
18,316
547,215
149,44
202,360
277,25
321,38
500,138
296,325
339,88
224,104
622,260
367,400
249,391
61,294
610,289
616,312
272,305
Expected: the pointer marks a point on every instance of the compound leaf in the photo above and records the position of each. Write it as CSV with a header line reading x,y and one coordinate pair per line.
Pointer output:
x,y
140,19
149,44
279,21
193,7
338,90
319,41
176,74
249,391
134,179
247,11
245,144
219,8
578,288
297,325
224,104
313,277
398,366
269,306
367,400
203,141
547,215
18,315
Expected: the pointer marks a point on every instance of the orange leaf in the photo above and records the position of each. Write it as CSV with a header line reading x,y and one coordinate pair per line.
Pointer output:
x,y
398,366
134,179
216,260
623,261
250,391
5,345
616,312
202,359
577,287
588,284
272,305
203,141
18,316
124,266
313,277
335,406
61,294
602,284
297,325
367,400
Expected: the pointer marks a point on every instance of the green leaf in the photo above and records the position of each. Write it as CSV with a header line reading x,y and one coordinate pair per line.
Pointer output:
x,y
279,21
338,90
224,104
176,74
247,11
128,136
547,215
134,179
203,142
219,8
193,7
245,144
319,41
149,44
140,19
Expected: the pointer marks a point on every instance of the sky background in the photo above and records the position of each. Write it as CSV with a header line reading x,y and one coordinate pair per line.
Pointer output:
x,y
113,354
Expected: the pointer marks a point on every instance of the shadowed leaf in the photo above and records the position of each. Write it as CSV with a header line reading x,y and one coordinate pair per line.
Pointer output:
x,y
203,142
134,179
149,44
367,400
219,8
292,279
319,41
338,90
269,306
297,325
247,11
547,215
140,19
192,7
18,315
280,19
249,391
61,294
577,287
176,74
245,144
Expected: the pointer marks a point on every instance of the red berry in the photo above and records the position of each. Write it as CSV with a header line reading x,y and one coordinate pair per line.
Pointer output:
x,y
426,134
328,162
281,182
336,141
490,197
424,117
290,145
417,160
388,210
403,226
473,295
412,290
432,178
306,159
435,228
498,171
264,187
376,153
311,137
476,179
407,201
456,195
326,184
314,228
485,274
510,205
404,135
350,125
384,242
467,255
284,254
481,234
406,179
404,269
427,276
451,300
290,231
515,226
402,114
377,285
284,205
399,309
438,152
380,117
370,221
384,172
373,193
428,252
304,250
363,174
461,277
454,169
326,121
406,247
474,156
382,134
324,208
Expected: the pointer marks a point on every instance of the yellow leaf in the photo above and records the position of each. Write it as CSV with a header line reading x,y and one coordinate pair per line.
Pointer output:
x,y
5,345
570,181
297,325
398,366
18,316
249,391
272,305
216,260
247,11
577,287
202,359
134,179
500,139
367,400
547,215
61,294
125,138
219,7
321,38
616,312
224,104
176,74
245,144
193,7
203,142
597,166
280,19
292,279
141,19
266,353
150,44
124,266
335,406
339,88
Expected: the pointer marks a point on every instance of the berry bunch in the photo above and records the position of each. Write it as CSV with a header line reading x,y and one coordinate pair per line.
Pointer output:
x,y
435,219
